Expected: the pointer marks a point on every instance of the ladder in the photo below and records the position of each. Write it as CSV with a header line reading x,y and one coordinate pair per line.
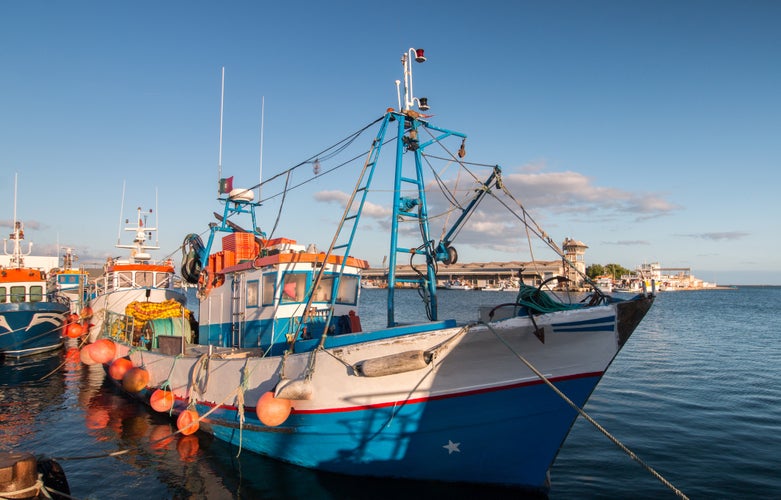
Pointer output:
x,y
237,313
348,225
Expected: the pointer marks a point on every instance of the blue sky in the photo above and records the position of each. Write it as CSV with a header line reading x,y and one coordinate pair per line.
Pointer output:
x,y
648,130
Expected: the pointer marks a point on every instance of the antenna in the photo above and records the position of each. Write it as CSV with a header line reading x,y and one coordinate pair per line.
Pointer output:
x,y
121,209
262,116
222,101
157,222
16,179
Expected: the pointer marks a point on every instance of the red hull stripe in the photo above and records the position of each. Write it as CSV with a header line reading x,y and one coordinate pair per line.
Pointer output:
x,y
418,400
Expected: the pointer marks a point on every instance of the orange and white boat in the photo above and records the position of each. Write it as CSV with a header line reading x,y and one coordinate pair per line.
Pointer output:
x,y
32,314
134,283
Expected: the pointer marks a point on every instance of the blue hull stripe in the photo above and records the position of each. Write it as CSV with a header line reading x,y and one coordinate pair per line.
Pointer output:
x,y
437,438
606,324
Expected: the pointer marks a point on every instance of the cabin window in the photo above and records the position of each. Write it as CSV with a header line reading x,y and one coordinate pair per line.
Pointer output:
x,y
348,290
268,288
36,293
3,293
162,280
323,291
17,294
145,279
252,293
293,287
124,280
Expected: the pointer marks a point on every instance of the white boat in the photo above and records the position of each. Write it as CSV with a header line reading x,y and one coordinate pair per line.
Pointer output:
x,y
370,284
136,282
605,284
457,285
283,365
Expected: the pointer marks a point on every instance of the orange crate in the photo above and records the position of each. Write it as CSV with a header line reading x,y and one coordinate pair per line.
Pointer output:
x,y
243,244
230,258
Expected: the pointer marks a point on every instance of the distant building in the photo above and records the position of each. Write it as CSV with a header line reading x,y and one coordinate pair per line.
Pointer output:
x,y
484,274
575,252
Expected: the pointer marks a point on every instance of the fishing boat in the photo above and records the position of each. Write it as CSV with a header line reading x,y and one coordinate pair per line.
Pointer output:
x,y
284,362
370,284
71,281
136,288
457,285
31,313
605,283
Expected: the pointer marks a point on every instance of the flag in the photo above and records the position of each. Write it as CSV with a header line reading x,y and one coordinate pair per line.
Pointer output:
x,y
226,185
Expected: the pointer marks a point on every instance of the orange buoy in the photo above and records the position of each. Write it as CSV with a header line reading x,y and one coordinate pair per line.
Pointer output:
x,y
119,367
135,379
187,423
86,355
103,350
86,312
74,330
161,400
273,411
73,318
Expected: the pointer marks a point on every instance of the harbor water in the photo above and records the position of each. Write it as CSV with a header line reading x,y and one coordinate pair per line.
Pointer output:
x,y
695,394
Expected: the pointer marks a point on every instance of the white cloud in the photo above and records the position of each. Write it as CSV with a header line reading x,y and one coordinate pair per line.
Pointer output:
x,y
341,198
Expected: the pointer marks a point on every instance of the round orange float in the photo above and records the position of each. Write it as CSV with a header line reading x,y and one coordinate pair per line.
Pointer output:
x,y
187,423
273,411
119,367
103,350
161,400
135,379
74,330
86,312
86,355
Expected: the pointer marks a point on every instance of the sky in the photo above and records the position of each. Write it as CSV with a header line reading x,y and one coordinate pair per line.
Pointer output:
x,y
647,130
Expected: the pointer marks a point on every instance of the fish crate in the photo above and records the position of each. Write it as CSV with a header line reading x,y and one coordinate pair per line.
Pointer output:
x,y
216,262
243,245
229,258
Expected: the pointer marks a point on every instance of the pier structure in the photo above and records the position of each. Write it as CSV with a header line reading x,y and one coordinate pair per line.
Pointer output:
x,y
477,274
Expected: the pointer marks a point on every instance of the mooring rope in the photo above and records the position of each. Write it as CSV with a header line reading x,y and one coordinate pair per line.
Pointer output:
x,y
585,415
36,488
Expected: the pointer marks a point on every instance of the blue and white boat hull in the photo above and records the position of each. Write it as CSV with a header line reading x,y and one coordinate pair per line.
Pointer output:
x,y
474,413
29,328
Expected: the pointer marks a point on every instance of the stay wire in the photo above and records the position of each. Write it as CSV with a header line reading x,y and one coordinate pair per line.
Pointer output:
x,y
586,416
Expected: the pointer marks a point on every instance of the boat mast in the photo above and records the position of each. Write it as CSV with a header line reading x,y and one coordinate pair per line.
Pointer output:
x,y
262,118
121,209
408,206
219,155
17,256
